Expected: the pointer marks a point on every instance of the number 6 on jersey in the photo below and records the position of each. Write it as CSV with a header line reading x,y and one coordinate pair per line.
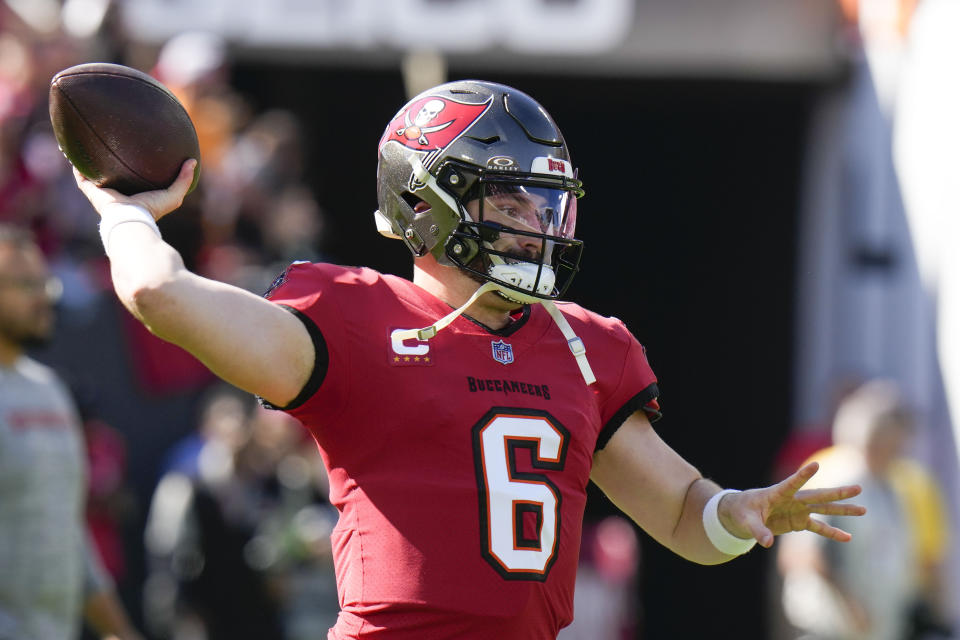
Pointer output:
x,y
519,510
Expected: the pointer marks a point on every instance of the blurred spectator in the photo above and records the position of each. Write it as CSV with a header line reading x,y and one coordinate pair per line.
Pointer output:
x,y
49,570
886,584
238,531
257,200
194,66
223,413
253,215
200,583
110,502
879,221
258,214
255,207
292,542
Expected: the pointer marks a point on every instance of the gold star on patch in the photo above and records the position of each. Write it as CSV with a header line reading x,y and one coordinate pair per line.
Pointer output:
x,y
426,358
406,358
396,358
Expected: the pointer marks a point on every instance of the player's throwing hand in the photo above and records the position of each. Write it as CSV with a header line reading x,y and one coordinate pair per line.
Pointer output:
x,y
158,203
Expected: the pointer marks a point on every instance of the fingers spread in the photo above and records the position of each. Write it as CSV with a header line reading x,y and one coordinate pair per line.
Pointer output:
x,y
795,482
834,509
830,494
823,529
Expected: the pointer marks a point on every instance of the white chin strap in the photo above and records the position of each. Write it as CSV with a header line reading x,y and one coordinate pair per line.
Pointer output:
x,y
428,332
577,348
576,345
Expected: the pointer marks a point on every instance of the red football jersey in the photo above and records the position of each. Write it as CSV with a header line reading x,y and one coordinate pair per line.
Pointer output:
x,y
459,465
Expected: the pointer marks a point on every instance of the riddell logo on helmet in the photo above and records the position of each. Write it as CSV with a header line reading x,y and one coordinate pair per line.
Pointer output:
x,y
431,123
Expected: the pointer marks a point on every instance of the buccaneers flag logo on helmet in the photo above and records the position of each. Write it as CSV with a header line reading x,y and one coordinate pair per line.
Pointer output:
x,y
431,123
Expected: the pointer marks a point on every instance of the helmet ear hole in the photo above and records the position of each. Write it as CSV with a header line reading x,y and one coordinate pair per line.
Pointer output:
x,y
413,201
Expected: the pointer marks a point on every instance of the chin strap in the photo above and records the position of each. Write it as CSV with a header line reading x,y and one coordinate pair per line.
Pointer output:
x,y
576,345
428,332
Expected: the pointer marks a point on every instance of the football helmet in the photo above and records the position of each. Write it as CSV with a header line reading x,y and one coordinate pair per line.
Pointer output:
x,y
479,175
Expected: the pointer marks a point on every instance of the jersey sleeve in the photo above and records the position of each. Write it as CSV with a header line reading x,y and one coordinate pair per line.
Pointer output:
x,y
308,291
636,389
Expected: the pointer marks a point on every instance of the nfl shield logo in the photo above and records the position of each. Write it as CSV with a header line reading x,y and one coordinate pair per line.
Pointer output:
x,y
502,352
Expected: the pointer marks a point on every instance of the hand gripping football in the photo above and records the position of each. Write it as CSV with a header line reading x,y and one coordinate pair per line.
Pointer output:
x,y
121,128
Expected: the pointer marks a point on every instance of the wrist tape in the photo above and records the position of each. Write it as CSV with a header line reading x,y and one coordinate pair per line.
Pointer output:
x,y
722,539
117,213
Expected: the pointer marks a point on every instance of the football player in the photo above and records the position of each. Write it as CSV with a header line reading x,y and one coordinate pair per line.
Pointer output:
x,y
461,414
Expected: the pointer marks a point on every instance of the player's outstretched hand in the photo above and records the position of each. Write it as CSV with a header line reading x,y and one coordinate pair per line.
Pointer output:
x,y
159,203
786,506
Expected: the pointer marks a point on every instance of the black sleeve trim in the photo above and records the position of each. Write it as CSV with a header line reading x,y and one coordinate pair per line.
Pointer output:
x,y
320,364
635,403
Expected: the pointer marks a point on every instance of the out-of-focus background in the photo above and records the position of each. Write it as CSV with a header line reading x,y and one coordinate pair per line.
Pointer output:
x,y
772,208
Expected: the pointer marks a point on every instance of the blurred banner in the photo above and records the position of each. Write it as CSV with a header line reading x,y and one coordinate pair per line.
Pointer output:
x,y
778,38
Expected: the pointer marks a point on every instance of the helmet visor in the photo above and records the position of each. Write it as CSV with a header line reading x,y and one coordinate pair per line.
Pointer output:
x,y
518,230
542,210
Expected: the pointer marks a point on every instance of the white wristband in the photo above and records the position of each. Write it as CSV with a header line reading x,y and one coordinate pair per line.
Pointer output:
x,y
117,213
722,539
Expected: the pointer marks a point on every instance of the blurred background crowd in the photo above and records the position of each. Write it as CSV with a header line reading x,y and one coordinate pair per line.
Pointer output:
x,y
771,206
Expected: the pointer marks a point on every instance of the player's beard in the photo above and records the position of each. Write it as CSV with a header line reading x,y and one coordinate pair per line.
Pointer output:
x,y
478,264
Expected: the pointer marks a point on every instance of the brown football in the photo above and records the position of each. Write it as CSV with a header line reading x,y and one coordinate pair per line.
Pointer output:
x,y
121,128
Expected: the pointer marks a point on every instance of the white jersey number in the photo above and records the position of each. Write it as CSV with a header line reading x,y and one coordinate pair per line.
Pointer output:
x,y
519,510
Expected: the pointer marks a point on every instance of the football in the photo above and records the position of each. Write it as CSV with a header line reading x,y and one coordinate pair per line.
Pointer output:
x,y
121,128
